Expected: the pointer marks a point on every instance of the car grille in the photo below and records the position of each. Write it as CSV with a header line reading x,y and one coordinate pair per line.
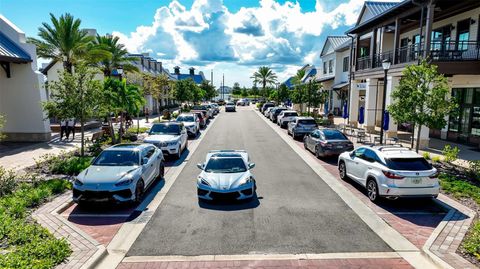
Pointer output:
x,y
224,196
201,192
86,195
247,192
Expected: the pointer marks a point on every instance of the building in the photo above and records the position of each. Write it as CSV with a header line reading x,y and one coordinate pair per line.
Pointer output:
x,y
334,76
21,87
446,32
197,78
310,72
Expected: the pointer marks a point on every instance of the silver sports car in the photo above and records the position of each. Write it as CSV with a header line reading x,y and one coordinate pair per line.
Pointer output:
x,y
226,175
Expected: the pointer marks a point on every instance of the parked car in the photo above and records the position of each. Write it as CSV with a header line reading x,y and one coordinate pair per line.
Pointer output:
x,y
226,174
389,171
285,117
221,102
267,112
120,173
216,108
247,101
201,117
327,142
301,126
275,112
211,109
208,113
254,101
241,102
171,137
230,106
265,106
191,123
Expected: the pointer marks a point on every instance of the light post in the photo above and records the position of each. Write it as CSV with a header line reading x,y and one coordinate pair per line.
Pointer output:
x,y
386,66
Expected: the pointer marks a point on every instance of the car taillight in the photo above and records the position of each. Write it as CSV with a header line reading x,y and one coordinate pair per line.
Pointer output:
x,y
392,175
434,175
325,145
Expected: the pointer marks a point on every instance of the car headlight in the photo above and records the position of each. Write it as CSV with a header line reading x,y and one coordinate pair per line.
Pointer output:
x,y
204,181
77,182
246,181
172,143
124,182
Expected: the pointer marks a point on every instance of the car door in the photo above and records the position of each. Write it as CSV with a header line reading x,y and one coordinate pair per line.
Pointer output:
x,y
352,163
313,138
148,168
365,164
184,137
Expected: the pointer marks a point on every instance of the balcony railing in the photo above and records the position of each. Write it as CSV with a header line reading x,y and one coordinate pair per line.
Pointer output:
x,y
449,51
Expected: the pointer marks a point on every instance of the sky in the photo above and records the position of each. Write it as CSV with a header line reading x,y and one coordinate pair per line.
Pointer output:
x,y
229,37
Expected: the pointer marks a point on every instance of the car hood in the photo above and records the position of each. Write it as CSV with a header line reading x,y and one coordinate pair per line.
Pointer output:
x,y
160,138
188,123
105,174
225,181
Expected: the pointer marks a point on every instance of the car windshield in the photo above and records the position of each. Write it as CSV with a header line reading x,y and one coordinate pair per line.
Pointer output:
x,y
172,129
230,104
290,114
306,122
185,118
199,108
334,135
278,110
410,164
225,165
117,158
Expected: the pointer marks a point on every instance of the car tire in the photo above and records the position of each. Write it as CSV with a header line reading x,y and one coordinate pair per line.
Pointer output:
x,y
372,190
294,135
161,171
139,191
342,170
305,144
186,146
317,154
179,152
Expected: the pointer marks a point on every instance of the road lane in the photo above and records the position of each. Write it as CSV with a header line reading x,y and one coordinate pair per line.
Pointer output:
x,y
296,211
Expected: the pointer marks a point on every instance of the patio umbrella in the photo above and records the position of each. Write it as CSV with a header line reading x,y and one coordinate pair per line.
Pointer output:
x,y
386,120
326,108
361,115
345,110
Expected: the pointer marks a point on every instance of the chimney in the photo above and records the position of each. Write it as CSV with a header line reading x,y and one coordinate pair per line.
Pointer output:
x,y
159,67
176,70
192,71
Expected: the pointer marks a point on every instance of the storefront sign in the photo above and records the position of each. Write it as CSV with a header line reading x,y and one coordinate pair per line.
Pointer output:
x,y
361,86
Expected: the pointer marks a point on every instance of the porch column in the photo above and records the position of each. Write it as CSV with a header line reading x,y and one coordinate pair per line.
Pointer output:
x,y
370,103
444,130
396,41
357,52
392,83
428,28
354,100
373,43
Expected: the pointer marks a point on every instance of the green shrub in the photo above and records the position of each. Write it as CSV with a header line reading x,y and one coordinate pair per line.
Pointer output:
x,y
450,154
426,155
133,129
459,188
259,105
471,243
436,159
474,169
66,164
8,182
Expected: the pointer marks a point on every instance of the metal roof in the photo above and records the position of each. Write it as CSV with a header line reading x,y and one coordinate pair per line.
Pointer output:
x,y
377,8
11,52
337,42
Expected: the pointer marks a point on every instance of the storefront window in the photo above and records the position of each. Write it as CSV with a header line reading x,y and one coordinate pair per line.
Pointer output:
x,y
476,114
455,120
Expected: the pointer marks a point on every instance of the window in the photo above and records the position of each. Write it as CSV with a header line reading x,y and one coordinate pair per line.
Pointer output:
x,y
330,66
117,158
370,156
173,129
408,164
346,63
149,152
359,152
324,67
463,34
225,165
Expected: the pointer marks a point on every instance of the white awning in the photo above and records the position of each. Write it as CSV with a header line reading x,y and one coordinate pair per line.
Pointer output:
x,y
340,85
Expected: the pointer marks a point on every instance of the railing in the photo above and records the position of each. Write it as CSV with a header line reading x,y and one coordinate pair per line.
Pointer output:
x,y
439,51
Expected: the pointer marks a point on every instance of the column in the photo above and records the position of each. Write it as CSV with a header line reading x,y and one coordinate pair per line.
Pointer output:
x,y
370,103
396,41
392,83
353,103
428,29
378,101
373,43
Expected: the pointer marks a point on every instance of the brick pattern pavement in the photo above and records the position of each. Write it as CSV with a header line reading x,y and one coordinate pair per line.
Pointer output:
x,y
83,247
303,264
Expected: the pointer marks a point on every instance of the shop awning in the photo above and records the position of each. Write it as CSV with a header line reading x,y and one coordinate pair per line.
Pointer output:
x,y
325,79
11,52
340,85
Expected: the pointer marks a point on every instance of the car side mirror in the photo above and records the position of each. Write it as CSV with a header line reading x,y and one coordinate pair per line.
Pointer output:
x,y
352,154
144,160
251,165
200,166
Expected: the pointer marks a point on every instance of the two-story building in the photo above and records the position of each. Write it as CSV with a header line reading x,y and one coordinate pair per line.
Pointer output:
x,y
443,31
197,78
335,57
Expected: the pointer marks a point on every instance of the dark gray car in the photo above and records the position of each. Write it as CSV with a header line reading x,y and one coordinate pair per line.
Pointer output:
x,y
327,142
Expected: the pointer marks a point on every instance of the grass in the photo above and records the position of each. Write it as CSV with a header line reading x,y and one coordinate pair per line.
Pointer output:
x,y
25,243
463,189
133,129
65,164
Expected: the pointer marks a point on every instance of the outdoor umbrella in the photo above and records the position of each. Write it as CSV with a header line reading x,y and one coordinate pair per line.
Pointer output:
x,y
386,120
361,115
326,108
345,110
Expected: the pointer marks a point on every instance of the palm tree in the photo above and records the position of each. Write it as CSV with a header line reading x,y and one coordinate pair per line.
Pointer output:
x,y
63,41
297,81
118,55
265,76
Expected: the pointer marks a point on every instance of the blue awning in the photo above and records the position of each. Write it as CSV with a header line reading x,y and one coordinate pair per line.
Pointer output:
x,y
11,52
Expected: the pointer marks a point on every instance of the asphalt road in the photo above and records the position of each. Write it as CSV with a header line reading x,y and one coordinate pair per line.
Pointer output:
x,y
296,212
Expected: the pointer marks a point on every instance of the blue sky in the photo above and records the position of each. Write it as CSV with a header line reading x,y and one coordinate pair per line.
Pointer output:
x,y
234,37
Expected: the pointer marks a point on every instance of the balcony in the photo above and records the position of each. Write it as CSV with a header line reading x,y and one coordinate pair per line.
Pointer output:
x,y
448,51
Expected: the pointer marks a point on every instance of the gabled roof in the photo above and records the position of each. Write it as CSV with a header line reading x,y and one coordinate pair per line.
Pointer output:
x,y
333,43
372,9
197,78
11,52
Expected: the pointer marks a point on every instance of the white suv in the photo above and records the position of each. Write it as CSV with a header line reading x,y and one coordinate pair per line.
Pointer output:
x,y
285,117
389,171
171,137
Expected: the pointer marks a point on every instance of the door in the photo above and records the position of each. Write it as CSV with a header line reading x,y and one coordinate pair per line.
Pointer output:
x,y
149,168
313,139
366,164
183,137
353,163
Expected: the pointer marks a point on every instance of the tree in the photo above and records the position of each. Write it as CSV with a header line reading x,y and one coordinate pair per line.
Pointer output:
x,y
298,95
158,87
254,91
236,90
283,93
64,41
209,91
182,90
420,98
75,96
197,93
117,55
2,124
265,76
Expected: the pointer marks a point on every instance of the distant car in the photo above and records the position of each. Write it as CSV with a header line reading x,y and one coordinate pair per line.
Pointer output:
x,y
241,102
230,106
208,113
254,101
285,117
301,126
267,112
201,117
389,171
275,112
247,101
212,109
191,123
265,106
171,137
327,142
120,173
226,175
216,108
221,102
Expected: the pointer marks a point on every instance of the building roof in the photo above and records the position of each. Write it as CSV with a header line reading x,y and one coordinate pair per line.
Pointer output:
x,y
11,52
197,78
334,43
48,67
289,82
375,9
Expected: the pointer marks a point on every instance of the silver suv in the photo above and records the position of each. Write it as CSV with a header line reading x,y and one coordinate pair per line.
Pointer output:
x,y
389,171
301,126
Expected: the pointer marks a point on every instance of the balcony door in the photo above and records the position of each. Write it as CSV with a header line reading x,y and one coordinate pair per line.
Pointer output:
x,y
441,38
463,34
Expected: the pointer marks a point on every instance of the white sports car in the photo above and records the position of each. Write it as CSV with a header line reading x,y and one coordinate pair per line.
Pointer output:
x,y
120,173
226,175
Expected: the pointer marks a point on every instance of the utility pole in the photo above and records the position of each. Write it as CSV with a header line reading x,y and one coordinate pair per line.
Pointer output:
x,y
223,88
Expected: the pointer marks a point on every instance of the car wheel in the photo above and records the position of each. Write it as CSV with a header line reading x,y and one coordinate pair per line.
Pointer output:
x,y
372,190
139,190
186,145
317,153
342,169
161,171
305,144
197,132
294,135
179,152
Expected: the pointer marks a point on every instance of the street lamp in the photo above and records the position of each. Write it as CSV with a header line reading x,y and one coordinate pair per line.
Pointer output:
x,y
386,66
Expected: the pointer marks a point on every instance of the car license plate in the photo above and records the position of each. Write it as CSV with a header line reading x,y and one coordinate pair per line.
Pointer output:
x,y
416,180
340,147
